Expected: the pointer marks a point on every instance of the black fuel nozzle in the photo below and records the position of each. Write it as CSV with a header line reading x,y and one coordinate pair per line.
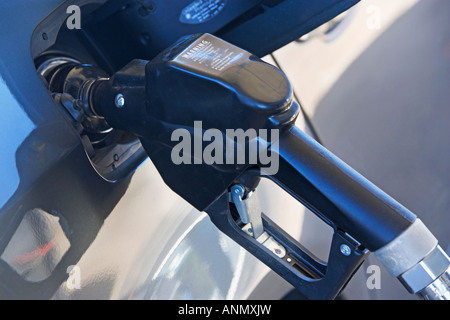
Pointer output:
x,y
202,88
214,119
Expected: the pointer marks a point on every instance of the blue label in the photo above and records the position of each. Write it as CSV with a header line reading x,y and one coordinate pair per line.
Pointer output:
x,y
201,11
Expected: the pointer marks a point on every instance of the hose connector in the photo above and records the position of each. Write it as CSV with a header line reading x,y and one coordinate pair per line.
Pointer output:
x,y
416,259
439,289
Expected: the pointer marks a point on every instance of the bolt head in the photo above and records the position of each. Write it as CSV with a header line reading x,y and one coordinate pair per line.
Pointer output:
x,y
345,250
120,101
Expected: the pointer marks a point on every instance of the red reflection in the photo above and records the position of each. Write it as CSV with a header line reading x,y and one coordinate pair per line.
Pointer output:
x,y
41,251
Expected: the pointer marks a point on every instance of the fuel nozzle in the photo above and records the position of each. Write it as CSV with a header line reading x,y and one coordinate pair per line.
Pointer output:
x,y
205,87
73,84
202,85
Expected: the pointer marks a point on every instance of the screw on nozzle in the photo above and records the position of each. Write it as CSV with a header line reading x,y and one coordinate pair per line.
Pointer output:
x,y
120,100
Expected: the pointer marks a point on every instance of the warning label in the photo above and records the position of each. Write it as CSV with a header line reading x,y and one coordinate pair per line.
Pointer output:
x,y
211,54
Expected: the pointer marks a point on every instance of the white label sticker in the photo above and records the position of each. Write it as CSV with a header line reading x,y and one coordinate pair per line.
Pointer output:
x,y
212,54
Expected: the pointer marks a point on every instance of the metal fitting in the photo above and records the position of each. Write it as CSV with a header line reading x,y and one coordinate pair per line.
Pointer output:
x,y
426,271
248,208
439,289
408,249
415,258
